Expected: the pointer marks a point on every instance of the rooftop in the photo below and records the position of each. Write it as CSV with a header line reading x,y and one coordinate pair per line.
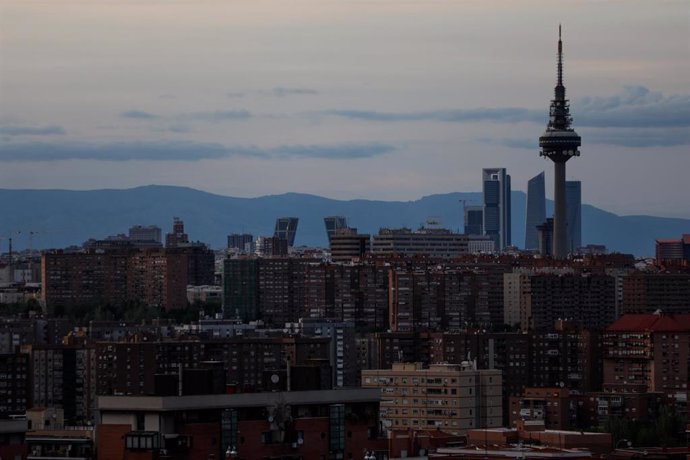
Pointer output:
x,y
220,401
657,322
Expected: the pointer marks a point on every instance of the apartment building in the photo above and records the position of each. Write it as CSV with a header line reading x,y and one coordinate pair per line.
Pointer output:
x,y
449,398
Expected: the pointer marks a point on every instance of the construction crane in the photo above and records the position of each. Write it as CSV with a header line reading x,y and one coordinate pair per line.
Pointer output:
x,y
10,256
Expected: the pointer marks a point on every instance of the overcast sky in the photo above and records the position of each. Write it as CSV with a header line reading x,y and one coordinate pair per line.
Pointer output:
x,y
347,99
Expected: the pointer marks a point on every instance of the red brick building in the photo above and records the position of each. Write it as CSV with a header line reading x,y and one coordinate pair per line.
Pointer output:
x,y
289,425
648,353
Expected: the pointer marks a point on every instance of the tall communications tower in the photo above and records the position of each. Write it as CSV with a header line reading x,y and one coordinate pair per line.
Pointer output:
x,y
559,143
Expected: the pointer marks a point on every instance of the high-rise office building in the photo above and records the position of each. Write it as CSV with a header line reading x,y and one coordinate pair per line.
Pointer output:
x,y
145,233
573,213
545,237
497,206
559,143
536,210
347,244
240,241
434,242
474,220
286,228
333,224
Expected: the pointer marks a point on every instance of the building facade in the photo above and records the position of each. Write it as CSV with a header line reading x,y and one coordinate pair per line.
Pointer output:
x,y
449,398
536,210
573,214
497,215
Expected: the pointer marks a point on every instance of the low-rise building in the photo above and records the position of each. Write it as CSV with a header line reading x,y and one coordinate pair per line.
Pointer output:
x,y
299,424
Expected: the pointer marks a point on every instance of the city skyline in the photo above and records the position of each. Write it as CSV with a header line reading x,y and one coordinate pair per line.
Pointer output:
x,y
405,100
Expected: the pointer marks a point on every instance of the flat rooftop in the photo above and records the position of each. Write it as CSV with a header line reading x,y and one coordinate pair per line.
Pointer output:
x,y
222,401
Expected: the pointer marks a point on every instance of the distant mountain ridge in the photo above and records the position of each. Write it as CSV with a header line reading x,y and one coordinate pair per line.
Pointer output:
x,y
61,218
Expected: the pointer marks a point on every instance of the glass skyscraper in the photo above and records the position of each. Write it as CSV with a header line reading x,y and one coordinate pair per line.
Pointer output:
x,y
573,214
286,229
496,186
536,210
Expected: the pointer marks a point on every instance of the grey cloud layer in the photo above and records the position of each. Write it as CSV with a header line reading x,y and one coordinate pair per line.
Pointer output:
x,y
634,107
31,131
179,151
504,115
282,92
209,116
625,137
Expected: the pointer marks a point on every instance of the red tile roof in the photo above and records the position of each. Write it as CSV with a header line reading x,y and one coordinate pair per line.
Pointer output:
x,y
655,322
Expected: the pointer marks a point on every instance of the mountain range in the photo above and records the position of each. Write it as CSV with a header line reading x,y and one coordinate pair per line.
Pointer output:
x,y
59,218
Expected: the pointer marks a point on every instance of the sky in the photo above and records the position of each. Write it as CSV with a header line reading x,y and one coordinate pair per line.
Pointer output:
x,y
387,99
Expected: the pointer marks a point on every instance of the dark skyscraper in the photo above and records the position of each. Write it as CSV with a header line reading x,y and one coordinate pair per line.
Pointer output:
x,y
536,210
573,207
286,228
474,220
497,206
240,240
559,143
333,224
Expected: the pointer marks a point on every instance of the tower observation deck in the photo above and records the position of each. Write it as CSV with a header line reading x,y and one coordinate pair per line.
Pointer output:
x,y
559,143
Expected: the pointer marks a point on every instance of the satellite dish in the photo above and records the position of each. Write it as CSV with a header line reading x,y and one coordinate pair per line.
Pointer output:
x,y
275,378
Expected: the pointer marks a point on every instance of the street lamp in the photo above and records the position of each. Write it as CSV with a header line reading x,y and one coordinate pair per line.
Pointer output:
x,y
369,455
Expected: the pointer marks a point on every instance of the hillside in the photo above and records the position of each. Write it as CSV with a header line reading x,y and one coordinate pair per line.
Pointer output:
x,y
61,217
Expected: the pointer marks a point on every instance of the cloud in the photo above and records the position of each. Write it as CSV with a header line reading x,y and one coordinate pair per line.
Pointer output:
x,y
209,116
335,152
634,107
501,115
513,143
635,137
179,151
216,116
624,137
138,114
282,92
115,151
31,131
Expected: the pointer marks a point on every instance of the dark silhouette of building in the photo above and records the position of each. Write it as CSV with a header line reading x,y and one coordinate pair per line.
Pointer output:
x,y
286,229
15,375
145,233
346,244
497,213
434,242
648,292
573,200
545,237
536,210
474,220
241,289
178,236
333,224
240,241
154,277
559,143
271,246
674,251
